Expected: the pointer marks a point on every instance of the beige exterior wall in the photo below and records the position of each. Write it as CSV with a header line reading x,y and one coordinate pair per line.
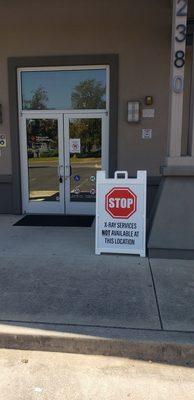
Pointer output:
x,y
139,32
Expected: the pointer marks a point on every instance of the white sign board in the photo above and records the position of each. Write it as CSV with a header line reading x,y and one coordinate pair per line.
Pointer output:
x,y
148,113
2,141
75,146
121,213
146,133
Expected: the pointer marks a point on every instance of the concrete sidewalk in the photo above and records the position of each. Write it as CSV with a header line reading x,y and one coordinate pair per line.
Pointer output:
x,y
31,375
53,285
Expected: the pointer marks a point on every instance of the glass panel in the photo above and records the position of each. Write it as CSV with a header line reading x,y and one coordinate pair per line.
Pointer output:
x,y
50,90
85,157
42,148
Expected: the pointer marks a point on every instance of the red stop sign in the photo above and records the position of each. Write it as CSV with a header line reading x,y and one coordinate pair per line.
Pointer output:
x,y
121,203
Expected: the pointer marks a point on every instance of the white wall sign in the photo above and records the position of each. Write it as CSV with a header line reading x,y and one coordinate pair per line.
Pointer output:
x,y
148,113
2,141
133,111
75,146
146,133
121,213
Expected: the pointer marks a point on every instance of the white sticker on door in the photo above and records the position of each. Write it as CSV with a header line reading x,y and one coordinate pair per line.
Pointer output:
x,y
75,146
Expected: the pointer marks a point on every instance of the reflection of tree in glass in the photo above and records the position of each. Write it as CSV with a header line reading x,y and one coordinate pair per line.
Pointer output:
x,y
38,101
89,94
43,137
89,131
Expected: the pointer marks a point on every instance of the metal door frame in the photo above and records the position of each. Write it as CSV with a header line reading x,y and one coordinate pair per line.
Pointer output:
x,y
40,207
83,207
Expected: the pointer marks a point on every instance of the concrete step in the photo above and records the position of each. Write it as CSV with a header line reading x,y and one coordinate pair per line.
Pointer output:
x,y
147,345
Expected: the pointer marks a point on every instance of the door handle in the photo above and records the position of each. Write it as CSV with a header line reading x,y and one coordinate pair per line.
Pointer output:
x,y
69,167
70,170
59,173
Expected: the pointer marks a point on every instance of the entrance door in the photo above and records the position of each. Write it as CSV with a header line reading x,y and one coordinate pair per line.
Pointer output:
x,y
86,152
42,161
63,118
60,155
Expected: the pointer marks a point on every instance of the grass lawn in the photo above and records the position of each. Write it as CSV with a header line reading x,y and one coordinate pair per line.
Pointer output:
x,y
54,159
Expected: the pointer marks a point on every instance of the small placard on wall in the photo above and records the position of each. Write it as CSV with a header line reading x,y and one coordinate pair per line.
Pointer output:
x,y
146,133
133,113
148,113
2,141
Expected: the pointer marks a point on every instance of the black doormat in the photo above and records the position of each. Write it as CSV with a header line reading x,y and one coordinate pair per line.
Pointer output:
x,y
84,221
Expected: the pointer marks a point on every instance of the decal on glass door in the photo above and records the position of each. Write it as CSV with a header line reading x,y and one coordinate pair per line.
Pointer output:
x,y
75,146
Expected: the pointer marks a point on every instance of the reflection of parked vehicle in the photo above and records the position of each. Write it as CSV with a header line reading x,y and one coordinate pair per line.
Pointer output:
x,y
90,154
50,153
30,153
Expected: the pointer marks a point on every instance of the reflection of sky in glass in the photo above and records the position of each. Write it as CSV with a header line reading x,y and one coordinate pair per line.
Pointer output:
x,y
58,84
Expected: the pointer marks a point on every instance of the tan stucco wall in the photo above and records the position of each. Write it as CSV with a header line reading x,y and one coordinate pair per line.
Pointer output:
x,y
139,32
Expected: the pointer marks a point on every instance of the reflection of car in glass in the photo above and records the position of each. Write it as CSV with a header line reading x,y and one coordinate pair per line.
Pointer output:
x,y
30,153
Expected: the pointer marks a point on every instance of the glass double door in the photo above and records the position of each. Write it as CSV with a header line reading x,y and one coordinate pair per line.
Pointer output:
x,y
60,155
